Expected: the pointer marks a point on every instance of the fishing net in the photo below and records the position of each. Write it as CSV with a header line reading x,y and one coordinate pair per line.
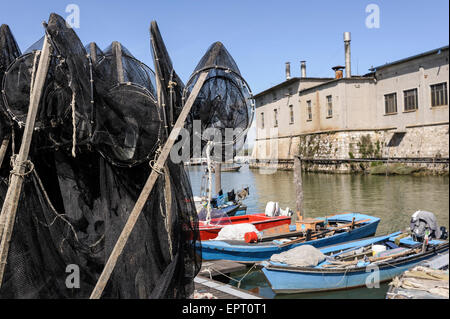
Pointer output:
x,y
73,206
127,119
9,51
65,115
224,106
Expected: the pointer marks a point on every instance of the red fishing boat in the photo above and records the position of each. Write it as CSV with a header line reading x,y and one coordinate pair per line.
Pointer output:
x,y
260,221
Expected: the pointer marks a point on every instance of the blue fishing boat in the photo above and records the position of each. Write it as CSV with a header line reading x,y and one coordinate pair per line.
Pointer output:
x,y
335,229
353,264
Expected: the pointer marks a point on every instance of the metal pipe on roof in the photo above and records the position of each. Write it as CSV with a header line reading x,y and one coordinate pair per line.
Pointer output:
x,y
303,69
288,70
347,40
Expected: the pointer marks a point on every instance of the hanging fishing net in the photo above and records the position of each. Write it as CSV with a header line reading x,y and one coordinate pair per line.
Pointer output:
x,y
72,209
65,114
9,51
127,118
224,106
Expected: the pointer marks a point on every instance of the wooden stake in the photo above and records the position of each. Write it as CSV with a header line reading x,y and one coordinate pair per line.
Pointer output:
x,y
3,149
117,49
11,202
135,213
298,187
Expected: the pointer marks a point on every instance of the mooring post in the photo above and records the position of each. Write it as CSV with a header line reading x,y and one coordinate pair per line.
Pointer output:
x,y
218,177
298,187
11,201
135,213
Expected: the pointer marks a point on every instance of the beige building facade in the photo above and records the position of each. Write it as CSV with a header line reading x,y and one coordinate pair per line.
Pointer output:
x,y
400,108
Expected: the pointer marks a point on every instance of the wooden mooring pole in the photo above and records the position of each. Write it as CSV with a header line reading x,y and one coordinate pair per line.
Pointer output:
x,y
298,187
11,202
135,213
218,177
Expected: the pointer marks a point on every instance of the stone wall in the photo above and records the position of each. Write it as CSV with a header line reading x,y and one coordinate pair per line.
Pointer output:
x,y
414,142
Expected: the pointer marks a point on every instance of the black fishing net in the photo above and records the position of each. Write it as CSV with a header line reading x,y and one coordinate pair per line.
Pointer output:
x,y
224,105
75,201
128,119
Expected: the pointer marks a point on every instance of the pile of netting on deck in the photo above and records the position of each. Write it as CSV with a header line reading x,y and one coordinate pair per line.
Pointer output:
x,y
97,128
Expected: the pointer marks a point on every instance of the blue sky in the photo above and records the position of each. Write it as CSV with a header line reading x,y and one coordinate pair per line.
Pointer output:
x,y
260,35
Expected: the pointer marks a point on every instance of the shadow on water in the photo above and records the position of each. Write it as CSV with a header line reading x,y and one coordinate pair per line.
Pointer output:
x,y
392,198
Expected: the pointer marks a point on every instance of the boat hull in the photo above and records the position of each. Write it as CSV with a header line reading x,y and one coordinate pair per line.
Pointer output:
x,y
284,280
216,249
260,221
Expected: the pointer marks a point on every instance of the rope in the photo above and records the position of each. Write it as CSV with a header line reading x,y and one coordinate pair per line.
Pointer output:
x,y
209,164
74,125
209,270
152,163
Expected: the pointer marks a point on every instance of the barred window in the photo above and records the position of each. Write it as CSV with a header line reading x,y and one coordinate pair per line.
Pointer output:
x,y
309,110
262,119
291,114
390,102
411,101
439,94
329,106
275,118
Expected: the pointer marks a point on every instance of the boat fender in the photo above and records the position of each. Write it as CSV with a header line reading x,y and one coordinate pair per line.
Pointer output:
x,y
251,237
272,209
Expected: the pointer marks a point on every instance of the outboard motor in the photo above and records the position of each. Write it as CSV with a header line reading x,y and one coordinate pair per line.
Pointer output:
x,y
422,223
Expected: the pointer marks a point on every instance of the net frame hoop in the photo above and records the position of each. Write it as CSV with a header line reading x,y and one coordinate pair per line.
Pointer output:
x,y
246,86
155,147
144,67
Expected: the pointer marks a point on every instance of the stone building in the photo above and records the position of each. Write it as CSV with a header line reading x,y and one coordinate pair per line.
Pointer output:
x,y
398,110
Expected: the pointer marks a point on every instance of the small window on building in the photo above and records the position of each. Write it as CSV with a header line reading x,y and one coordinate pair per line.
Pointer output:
x,y
274,96
309,110
329,106
411,100
439,94
291,114
390,103
275,118
262,119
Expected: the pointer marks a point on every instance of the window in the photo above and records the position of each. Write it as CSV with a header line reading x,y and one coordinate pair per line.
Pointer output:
x,y
329,106
309,110
262,119
439,94
410,100
274,96
390,103
275,118
291,114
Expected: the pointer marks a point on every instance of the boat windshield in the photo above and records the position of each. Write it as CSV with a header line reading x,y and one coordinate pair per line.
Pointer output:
x,y
217,217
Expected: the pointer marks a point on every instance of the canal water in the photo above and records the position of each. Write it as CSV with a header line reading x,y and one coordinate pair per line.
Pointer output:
x,y
392,198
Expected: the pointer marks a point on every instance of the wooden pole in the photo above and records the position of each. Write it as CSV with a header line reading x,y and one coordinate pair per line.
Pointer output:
x,y
3,149
298,187
10,204
218,177
117,49
135,213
